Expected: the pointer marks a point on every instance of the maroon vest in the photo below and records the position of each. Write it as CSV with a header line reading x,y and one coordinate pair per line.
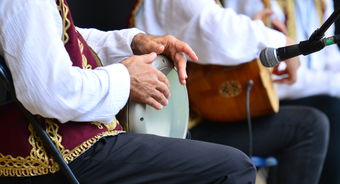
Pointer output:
x,y
21,151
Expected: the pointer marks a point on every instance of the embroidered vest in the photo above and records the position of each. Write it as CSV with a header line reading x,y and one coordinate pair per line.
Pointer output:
x,y
21,151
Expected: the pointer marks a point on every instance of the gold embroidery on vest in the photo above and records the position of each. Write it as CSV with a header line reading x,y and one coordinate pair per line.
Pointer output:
x,y
70,155
99,125
111,126
85,65
64,10
37,163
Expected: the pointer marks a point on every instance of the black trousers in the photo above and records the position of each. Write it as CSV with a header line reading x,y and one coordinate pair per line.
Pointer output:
x,y
148,159
331,107
297,136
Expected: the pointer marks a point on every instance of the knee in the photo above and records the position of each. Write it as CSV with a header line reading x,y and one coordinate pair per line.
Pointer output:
x,y
318,124
319,121
241,167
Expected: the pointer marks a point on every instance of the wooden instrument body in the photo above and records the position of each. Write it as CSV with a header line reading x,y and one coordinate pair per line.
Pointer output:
x,y
218,93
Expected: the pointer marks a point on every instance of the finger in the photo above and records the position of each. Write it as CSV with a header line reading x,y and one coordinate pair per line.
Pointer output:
x,y
185,48
287,81
267,12
164,89
292,78
162,78
181,63
159,97
281,81
278,25
279,72
263,14
153,103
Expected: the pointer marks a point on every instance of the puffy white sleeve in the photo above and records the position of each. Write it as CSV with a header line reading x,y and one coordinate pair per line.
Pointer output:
x,y
311,83
217,35
110,46
45,81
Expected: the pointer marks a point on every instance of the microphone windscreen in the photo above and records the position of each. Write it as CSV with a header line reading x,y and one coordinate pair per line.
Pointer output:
x,y
268,57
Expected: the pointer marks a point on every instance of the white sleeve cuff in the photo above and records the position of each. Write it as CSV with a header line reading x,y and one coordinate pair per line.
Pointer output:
x,y
117,96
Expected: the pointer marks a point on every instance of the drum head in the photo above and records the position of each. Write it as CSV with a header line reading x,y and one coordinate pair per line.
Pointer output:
x,y
172,120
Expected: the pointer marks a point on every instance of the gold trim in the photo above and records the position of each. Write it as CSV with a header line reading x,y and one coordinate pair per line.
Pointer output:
x,y
64,10
38,163
85,64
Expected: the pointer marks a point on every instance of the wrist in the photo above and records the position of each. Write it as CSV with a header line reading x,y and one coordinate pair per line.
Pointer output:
x,y
135,42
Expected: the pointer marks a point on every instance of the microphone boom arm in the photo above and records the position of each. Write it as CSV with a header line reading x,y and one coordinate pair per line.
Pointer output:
x,y
320,33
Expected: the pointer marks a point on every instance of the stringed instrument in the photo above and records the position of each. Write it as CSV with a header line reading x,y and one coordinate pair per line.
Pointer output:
x,y
218,93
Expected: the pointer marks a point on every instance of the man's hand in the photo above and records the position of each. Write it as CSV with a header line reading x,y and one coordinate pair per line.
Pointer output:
x,y
275,23
263,16
292,66
289,73
147,84
167,45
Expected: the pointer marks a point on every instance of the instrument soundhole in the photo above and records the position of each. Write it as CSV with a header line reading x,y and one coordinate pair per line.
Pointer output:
x,y
230,89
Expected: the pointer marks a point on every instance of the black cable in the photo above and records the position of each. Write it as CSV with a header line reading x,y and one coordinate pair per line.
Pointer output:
x,y
250,84
6,82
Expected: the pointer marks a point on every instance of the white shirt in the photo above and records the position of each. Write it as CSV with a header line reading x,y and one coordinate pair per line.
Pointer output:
x,y
45,81
217,35
319,72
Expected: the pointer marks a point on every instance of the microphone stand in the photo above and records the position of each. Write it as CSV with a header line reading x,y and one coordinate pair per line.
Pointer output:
x,y
320,33
317,41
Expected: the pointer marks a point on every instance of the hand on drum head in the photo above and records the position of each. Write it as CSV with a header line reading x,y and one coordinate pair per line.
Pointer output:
x,y
167,45
148,85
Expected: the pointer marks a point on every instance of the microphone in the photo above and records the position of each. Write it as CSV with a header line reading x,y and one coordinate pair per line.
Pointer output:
x,y
270,57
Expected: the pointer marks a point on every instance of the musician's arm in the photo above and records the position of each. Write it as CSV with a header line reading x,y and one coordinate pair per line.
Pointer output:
x,y
45,81
219,36
149,85
110,46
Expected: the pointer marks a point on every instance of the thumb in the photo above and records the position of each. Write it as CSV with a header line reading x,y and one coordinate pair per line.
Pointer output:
x,y
262,14
149,58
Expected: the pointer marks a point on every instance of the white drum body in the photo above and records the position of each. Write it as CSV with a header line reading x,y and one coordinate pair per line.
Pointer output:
x,y
172,120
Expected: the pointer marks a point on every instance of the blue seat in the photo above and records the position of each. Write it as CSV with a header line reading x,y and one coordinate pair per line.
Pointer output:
x,y
264,161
